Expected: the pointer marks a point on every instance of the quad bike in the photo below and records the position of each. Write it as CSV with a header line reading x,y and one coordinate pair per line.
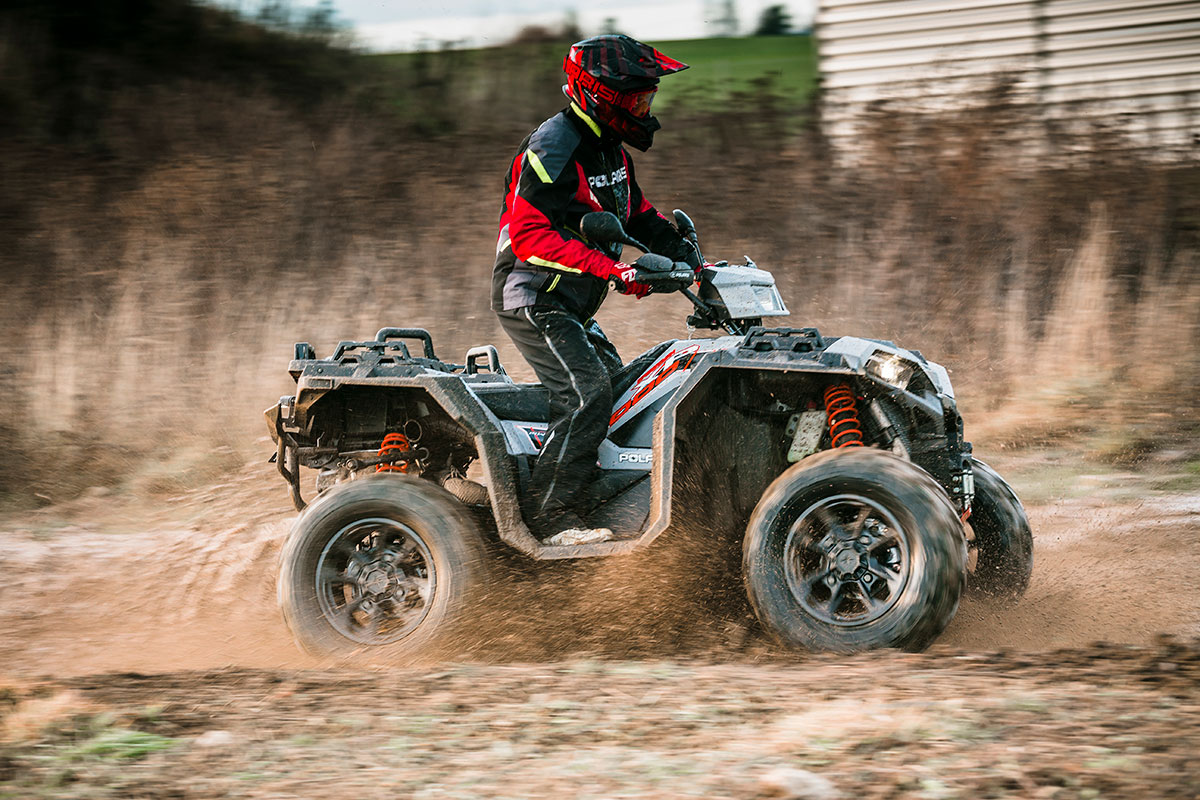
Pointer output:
x,y
839,460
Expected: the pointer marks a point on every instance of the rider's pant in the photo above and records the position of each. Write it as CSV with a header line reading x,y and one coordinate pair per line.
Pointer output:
x,y
576,362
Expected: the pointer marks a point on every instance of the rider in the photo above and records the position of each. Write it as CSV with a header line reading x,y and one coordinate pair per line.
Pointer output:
x,y
549,281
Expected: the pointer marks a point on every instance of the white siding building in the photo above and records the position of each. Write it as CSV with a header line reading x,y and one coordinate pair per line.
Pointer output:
x,y
1130,63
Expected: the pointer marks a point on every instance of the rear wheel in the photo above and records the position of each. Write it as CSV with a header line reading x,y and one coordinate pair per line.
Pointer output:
x,y
852,550
1003,545
388,566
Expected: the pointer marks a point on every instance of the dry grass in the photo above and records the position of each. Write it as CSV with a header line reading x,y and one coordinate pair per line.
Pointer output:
x,y
29,719
151,299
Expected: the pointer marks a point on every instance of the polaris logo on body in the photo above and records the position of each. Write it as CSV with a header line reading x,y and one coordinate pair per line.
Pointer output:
x,y
600,181
634,458
536,435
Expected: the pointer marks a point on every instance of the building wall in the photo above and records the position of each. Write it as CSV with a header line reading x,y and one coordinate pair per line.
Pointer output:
x,y
1134,64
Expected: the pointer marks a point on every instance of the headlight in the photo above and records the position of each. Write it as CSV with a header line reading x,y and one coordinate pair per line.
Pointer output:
x,y
891,369
768,299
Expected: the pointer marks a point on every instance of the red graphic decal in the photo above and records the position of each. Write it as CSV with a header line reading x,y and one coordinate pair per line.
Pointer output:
x,y
654,376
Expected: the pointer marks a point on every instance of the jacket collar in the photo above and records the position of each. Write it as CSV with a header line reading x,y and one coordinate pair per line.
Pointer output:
x,y
585,123
579,114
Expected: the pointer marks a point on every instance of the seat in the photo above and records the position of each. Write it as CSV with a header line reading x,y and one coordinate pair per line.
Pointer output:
x,y
530,402
525,402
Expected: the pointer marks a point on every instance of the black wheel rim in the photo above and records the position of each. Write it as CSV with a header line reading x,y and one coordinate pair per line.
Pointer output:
x,y
375,581
846,560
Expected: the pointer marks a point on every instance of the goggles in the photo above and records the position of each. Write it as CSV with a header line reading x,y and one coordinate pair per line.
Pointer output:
x,y
639,103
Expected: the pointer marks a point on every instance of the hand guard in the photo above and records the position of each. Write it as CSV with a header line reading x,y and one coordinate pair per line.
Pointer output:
x,y
691,254
662,274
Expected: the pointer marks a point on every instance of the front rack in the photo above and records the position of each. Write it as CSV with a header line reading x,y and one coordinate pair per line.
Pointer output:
x,y
794,340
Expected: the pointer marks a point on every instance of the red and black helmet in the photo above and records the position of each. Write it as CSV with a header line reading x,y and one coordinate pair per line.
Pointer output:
x,y
613,79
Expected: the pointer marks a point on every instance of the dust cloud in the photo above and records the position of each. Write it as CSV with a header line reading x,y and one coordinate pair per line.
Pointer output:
x,y
94,587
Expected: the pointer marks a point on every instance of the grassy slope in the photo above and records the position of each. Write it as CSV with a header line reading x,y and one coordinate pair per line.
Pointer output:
x,y
719,67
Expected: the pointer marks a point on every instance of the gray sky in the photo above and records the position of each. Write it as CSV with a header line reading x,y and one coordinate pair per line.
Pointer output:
x,y
405,24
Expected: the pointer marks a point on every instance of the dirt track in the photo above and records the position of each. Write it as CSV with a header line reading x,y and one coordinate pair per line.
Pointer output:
x,y
602,679
1105,722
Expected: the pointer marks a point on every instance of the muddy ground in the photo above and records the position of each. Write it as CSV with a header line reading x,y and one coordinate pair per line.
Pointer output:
x,y
141,655
1099,722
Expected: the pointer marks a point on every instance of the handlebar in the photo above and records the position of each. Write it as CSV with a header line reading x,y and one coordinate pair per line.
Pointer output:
x,y
706,314
604,226
688,229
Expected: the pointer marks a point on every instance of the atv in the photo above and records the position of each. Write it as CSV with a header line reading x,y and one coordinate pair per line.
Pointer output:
x,y
840,461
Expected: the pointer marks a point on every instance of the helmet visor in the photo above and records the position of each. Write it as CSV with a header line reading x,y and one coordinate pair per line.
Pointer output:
x,y
639,102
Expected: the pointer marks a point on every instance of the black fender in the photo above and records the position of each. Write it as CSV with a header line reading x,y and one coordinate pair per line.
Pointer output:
x,y
670,470
465,409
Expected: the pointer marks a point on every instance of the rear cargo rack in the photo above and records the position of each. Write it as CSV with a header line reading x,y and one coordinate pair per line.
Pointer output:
x,y
389,339
388,347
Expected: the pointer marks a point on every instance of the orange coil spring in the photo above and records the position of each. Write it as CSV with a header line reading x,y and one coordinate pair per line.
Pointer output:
x,y
393,443
842,412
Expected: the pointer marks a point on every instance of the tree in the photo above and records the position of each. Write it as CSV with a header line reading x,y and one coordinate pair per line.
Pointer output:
x,y
722,17
774,21
275,14
320,21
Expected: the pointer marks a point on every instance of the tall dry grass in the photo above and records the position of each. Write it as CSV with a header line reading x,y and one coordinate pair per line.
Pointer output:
x,y
150,301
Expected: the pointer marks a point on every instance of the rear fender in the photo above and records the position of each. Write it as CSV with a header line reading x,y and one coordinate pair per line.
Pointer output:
x,y
452,396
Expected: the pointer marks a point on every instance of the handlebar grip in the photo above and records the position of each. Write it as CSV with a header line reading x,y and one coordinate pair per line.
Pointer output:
x,y
650,277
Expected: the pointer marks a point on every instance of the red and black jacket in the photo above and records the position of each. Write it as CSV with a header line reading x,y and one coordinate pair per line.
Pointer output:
x,y
567,167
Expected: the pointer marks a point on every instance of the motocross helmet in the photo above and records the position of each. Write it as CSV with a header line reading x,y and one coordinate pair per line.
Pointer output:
x,y
613,79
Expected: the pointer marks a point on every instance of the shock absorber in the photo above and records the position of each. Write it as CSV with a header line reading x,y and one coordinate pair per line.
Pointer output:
x,y
841,411
393,444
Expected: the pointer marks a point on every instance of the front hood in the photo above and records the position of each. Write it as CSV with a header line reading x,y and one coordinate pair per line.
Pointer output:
x,y
855,352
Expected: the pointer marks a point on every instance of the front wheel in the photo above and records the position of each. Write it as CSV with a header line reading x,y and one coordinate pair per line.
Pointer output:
x,y
388,566
852,550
